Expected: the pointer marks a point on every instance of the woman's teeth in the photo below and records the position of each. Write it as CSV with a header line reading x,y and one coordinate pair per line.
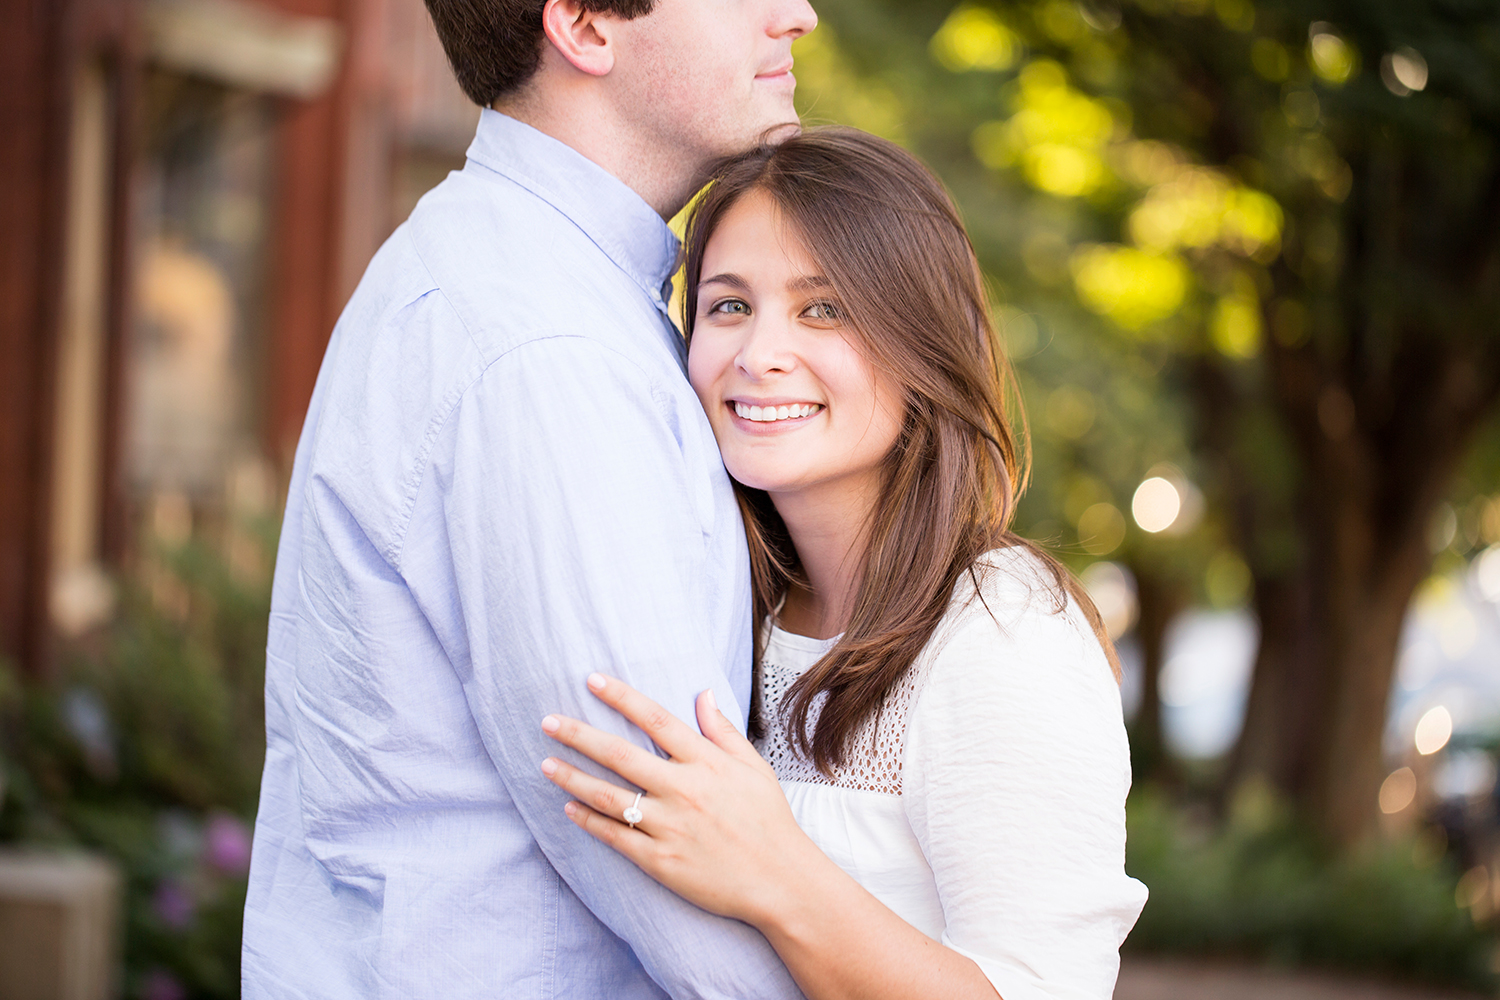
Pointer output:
x,y
767,414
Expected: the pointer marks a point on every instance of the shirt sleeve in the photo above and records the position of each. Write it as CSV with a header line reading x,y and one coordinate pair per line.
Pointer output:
x,y
1015,778
578,536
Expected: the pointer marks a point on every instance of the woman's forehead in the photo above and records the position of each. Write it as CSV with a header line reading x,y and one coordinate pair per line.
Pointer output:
x,y
754,236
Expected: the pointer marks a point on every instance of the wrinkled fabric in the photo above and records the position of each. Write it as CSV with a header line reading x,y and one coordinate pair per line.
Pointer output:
x,y
504,483
1017,768
1006,839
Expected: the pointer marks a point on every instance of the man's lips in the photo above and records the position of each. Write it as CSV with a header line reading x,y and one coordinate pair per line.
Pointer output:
x,y
777,72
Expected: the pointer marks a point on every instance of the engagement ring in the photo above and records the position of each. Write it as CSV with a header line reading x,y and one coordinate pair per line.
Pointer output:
x,y
633,812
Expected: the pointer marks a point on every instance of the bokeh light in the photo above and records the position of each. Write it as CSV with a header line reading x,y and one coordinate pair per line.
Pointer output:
x,y
1198,207
1434,730
1443,528
1332,59
1235,327
1227,580
1237,15
973,38
1070,411
1403,71
1156,504
1101,529
1473,889
1487,574
1129,286
1112,589
1489,521
1398,791
1057,135
1270,59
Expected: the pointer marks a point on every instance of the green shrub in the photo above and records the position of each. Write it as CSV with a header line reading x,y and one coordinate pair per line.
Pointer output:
x,y
1264,889
147,747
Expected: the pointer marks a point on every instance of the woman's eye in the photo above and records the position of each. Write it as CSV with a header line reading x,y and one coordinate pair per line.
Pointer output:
x,y
730,307
827,311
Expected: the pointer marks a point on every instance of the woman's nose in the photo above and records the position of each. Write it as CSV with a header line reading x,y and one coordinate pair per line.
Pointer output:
x,y
766,349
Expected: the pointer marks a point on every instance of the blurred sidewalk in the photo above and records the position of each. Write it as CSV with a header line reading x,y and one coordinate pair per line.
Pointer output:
x,y
1166,979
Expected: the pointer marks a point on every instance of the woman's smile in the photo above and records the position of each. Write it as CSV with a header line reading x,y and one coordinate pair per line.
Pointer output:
x,y
784,416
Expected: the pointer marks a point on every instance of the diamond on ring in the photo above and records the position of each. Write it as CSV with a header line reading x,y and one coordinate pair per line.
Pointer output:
x,y
633,813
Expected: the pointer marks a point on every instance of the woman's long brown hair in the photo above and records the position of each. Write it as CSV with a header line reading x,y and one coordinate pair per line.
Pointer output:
x,y
891,244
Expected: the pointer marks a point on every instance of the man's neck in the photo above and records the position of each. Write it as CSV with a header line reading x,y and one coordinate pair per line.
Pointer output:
x,y
664,177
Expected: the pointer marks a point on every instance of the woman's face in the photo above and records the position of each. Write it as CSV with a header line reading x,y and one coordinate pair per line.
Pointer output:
x,y
796,408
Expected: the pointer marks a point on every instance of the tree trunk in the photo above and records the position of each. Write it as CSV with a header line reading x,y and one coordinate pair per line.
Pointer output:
x,y
1348,762
1281,713
1364,591
1331,621
1376,404
1330,631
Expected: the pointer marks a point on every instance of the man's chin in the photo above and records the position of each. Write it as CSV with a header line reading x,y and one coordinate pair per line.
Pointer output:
x,y
772,130
775,130
779,133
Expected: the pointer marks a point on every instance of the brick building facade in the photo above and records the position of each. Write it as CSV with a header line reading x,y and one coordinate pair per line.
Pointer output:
x,y
189,191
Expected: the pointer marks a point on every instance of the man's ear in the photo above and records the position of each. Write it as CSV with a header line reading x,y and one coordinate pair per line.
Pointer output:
x,y
581,36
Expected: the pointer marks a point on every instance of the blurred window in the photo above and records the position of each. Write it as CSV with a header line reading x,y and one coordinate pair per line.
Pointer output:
x,y
196,362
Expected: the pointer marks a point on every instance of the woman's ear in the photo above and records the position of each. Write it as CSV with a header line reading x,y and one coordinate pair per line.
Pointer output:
x,y
581,36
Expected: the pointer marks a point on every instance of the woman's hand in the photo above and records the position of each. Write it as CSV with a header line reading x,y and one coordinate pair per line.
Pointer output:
x,y
715,826
716,829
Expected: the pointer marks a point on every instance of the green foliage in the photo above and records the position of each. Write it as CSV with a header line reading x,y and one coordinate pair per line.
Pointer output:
x,y
975,91
1181,184
147,748
1262,888
1272,223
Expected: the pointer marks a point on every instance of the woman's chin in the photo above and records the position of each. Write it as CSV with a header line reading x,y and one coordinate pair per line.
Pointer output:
x,y
760,479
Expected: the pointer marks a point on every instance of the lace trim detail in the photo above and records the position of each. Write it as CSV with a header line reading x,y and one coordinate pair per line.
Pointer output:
x,y
879,747
878,752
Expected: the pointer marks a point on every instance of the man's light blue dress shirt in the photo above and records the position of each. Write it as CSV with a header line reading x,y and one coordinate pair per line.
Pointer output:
x,y
504,483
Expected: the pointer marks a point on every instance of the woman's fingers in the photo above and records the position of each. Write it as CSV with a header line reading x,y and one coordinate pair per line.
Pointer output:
x,y
638,766
604,797
722,733
665,729
631,843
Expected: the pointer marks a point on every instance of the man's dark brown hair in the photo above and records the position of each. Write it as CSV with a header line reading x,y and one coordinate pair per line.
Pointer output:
x,y
495,46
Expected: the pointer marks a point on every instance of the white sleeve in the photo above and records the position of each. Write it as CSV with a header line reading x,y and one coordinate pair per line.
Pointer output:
x,y
1015,778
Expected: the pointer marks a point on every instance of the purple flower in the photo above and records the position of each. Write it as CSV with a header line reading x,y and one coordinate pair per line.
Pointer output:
x,y
226,844
174,904
159,984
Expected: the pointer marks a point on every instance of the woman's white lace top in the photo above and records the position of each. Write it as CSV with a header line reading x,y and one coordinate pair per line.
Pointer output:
x,y
986,803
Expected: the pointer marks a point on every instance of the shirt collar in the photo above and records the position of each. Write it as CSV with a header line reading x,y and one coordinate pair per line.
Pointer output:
x,y
613,216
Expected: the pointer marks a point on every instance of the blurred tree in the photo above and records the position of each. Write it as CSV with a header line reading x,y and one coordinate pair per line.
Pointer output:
x,y
1280,217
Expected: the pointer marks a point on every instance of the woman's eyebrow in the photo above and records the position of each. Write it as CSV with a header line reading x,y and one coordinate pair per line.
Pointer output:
x,y
808,283
732,280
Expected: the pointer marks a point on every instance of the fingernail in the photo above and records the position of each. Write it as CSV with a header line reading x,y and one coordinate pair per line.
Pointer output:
x,y
551,724
713,704
596,682
549,767
571,809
